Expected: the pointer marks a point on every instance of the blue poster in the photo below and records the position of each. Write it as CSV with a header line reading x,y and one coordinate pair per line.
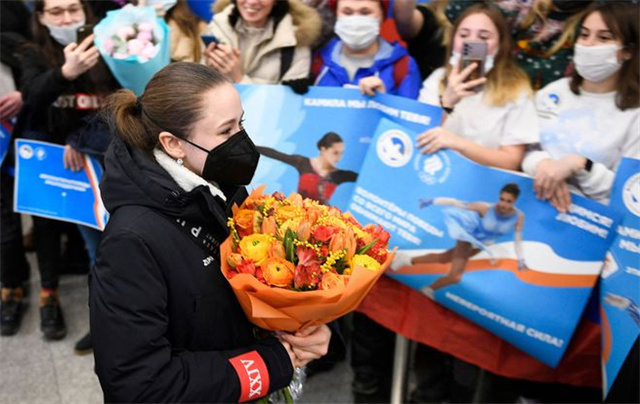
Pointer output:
x,y
45,188
476,240
620,284
6,128
315,143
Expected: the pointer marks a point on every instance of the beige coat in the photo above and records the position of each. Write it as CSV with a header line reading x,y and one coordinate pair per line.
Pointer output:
x,y
299,28
181,45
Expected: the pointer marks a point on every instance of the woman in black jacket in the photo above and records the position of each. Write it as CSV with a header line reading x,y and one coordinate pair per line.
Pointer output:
x,y
62,84
165,324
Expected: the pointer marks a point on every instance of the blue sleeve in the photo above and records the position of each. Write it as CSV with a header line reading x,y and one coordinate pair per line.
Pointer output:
x,y
410,86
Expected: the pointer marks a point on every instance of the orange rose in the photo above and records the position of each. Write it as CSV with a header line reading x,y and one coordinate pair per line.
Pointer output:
x,y
255,247
288,212
277,272
331,280
345,240
247,221
296,199
269,226
304,230
277,250
314,213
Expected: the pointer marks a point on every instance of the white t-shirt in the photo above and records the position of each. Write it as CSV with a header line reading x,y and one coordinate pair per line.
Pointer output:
x,y
588,125
514,123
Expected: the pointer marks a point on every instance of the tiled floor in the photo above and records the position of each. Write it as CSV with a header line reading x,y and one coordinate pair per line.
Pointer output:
x,y
33,370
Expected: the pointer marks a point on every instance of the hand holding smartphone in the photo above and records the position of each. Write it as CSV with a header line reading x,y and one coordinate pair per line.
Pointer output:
x,y
209,39
474,52
83,32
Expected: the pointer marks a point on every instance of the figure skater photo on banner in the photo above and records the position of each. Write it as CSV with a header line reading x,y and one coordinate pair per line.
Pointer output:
x,y
474,226
319,175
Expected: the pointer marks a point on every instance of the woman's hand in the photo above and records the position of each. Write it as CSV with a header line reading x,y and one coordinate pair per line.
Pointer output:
x,y
10,105
73,159
456,88
79,58
370,85
561,198
438,138
308,344
551,177
225,59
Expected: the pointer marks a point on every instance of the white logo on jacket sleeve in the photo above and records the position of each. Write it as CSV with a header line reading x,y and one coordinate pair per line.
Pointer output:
x,y
207,261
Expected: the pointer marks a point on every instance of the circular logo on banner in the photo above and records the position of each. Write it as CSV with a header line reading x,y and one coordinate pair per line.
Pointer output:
x,y
41,154
432,168
631,194
25,151
394,148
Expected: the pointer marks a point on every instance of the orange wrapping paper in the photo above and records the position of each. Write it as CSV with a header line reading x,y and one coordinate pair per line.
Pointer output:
x,y
277,309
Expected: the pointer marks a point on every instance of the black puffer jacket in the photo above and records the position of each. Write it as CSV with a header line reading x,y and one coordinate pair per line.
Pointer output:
x,y
166,326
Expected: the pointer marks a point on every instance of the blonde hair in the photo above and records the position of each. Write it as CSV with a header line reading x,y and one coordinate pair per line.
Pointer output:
x,y
506,81
540,11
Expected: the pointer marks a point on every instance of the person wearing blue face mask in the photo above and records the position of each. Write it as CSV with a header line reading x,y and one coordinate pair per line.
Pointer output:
x,y
590,121
360,58
62,84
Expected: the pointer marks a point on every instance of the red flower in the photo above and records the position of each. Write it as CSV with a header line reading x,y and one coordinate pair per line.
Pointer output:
x,y
246,267
323,233
307,274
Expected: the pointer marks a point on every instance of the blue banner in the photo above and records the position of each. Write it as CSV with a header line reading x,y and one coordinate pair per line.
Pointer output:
x,y
43,187
477,240
296,135
620,285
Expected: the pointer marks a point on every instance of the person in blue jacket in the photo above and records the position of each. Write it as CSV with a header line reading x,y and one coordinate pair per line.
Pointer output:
x,y
360,58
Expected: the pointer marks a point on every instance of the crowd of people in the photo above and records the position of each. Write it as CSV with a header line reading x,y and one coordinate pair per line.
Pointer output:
x,y
557,96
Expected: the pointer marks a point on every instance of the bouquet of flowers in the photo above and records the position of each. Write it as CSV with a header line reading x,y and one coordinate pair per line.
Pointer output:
x,y
134,43
293,262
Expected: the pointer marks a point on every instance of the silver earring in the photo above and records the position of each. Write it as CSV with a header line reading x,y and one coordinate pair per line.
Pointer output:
x,y
179,161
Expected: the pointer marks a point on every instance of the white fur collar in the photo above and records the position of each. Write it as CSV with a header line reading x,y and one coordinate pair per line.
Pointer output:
x,y
187,179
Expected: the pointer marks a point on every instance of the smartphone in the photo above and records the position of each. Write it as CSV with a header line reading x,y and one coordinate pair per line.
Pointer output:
x,y
474,52
83,32
208,39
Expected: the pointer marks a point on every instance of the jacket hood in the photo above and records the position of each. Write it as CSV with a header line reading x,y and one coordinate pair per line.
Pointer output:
x,y
133,179
306,20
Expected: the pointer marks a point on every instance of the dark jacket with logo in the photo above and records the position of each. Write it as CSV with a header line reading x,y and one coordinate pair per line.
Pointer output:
x,y
165,324
55,108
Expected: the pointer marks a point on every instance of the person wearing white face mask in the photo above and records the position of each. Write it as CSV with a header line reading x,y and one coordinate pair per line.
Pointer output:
x,y
491,126
590,121
359,57
62,84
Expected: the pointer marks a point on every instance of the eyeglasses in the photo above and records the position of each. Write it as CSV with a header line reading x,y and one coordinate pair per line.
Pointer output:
x,y
58,12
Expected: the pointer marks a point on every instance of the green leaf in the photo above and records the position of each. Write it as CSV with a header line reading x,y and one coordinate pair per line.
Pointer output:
x,y
367,247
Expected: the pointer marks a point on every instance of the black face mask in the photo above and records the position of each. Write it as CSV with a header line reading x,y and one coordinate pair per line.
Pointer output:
x,y
233,162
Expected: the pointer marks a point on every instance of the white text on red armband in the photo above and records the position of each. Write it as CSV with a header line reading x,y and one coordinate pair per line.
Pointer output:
x,y
253,375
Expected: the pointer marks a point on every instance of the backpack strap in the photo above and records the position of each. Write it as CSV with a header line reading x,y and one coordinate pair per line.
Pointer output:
x,y
286,58
400,70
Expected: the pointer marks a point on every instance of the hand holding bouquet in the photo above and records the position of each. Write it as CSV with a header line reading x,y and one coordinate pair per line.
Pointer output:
x,y
293,262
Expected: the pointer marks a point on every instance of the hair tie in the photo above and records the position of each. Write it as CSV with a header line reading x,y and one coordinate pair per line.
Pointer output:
x,y
139,104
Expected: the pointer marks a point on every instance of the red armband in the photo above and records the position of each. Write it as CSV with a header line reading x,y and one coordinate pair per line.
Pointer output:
x,y
253,375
